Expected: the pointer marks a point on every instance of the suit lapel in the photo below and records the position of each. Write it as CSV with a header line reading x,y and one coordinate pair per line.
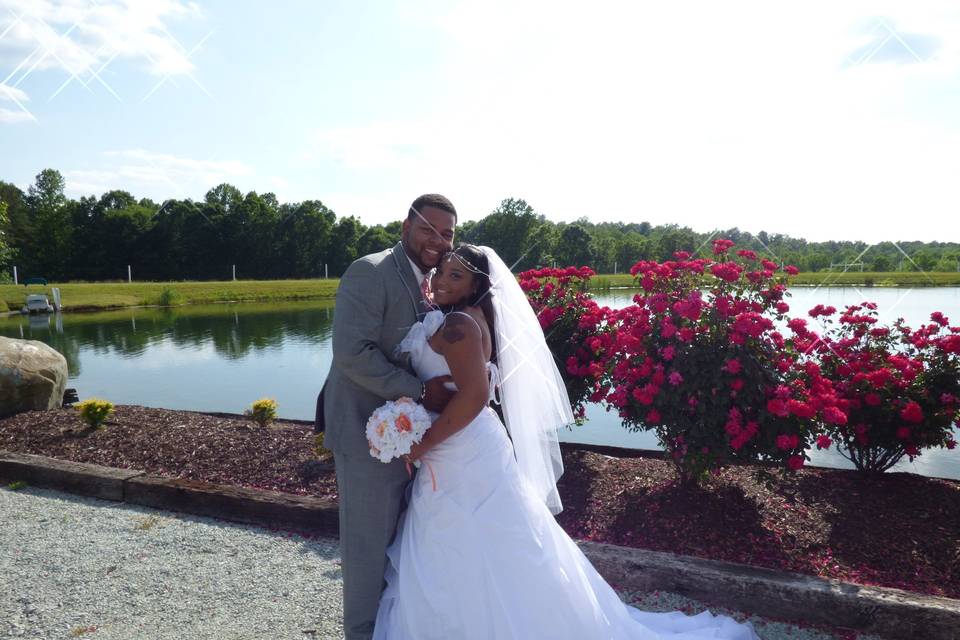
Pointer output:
x,y
402,263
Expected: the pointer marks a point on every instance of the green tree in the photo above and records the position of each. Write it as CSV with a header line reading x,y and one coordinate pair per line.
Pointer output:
x,y
45,233
172,247
18,228
225,195
631,250
257,216
304,234
947,263
123,229
923,260
374,240
818,261
880,263
343,248
674,239
573,247
515,231
106,232
6,253
52,228
395,229
603,248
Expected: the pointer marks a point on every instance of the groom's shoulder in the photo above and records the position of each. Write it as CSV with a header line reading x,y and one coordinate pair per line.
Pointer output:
x,y
373,262
376,258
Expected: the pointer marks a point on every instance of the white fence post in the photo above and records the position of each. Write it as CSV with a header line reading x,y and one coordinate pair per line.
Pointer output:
x,y
129,274
234,272
15,275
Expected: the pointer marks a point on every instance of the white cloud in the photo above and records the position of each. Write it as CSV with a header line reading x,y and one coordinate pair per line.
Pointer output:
x,y
374,146
82,38
10,116
152,174
17,97
12,94
707,115
89,182
278,182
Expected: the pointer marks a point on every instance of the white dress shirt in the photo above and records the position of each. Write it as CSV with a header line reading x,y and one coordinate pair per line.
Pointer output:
x,y
419,275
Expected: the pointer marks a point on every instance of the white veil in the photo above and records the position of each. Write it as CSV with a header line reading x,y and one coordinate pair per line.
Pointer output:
x,y
533,396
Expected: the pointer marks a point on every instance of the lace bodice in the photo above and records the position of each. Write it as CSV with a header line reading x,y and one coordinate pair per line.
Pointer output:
x,y
427,363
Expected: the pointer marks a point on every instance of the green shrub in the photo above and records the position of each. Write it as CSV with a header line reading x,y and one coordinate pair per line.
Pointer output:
x,y
168,297
3,306
318,448
263,411
95,411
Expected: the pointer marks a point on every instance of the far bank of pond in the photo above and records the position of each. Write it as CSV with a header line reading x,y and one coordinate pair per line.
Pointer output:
x,y
221,357
94,296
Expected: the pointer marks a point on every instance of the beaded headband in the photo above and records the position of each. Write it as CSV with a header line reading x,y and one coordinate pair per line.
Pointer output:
x,y
467,265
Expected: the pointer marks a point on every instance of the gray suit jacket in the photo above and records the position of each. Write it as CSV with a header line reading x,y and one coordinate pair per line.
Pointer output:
x,y
377,302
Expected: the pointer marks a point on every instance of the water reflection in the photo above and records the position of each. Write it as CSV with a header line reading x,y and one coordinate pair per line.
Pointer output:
x,y
233,331
209,357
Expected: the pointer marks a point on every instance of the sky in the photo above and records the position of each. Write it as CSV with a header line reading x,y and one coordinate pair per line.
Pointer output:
x,y
820,120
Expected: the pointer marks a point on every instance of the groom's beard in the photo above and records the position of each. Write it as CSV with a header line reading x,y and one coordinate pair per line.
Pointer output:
x,y
421,258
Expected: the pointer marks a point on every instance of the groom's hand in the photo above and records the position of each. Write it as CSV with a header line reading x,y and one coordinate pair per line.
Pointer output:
x,y
437,395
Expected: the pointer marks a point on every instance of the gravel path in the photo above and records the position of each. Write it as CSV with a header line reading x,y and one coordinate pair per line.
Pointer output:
x,y
79,567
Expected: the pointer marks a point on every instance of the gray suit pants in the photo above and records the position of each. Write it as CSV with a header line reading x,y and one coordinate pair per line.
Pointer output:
x,y
371,496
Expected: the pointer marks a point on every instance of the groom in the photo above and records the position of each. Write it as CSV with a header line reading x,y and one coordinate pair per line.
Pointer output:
x,y
378,299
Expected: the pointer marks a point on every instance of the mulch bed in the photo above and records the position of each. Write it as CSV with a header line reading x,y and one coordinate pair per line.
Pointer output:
x,y
896,530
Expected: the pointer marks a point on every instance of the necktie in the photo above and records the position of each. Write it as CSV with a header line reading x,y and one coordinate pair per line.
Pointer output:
x,y
425,291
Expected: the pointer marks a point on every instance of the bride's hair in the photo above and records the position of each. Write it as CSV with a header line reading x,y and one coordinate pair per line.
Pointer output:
x,y
475,261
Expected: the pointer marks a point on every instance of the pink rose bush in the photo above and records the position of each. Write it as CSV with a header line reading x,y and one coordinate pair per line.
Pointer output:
x,y
698,360
574,326
900,387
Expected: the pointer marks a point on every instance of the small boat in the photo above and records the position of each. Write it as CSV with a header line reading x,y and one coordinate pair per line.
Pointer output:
x,y
37,302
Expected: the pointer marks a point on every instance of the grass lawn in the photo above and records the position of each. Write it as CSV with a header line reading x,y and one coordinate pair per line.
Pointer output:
x,y
78,296
90,296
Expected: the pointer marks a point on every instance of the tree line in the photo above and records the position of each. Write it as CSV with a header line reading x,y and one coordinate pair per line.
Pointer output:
x,y
44,233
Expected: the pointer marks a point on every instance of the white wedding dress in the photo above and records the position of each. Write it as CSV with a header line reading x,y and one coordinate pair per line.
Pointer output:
x,y
478,555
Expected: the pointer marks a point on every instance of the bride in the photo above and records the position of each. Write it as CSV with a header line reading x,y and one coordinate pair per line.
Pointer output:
x,y
478,554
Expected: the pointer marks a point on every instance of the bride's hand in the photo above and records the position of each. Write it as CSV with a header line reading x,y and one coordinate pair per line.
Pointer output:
x,y
416,452
436,394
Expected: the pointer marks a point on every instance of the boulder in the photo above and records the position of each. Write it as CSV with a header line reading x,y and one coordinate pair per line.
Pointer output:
x,y
32,376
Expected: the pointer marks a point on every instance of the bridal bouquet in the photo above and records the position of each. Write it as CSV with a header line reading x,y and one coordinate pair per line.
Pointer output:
x,y
395,427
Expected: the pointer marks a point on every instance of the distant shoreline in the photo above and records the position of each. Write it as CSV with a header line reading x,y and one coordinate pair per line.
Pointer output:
x,y
104,296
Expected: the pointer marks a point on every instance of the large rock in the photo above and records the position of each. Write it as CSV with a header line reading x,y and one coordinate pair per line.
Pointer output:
x,y
32,376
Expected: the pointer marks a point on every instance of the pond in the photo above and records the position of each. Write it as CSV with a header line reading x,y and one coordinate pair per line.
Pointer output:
x,y
223,357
